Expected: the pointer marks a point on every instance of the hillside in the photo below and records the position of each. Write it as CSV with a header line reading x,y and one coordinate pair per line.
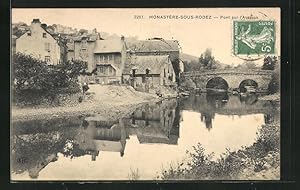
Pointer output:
x,y
187,57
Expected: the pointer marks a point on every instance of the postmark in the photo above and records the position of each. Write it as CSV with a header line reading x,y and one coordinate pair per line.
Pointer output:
x,y
253,38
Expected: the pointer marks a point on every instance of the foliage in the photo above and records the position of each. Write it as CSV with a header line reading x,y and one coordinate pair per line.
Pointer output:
x,y
270,63
33,78
176,66
246,65
192,66
134,174
83,31
16,31
187,84
264,152
206,62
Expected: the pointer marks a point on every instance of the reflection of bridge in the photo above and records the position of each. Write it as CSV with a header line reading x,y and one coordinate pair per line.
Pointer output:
x,y
232,106
208,106
233,77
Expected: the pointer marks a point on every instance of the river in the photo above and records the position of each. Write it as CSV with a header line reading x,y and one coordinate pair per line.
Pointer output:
x,y
139,146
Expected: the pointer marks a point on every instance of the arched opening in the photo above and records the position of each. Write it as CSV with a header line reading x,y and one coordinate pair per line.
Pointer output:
x,y
217,84
248,85
249,99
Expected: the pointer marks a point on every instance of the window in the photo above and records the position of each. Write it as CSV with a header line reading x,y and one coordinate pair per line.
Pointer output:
x,y
44,35
47,59
147,72
83,44
47,46
101,69
133,72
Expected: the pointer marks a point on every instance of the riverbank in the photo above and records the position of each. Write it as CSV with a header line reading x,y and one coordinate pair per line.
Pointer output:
x,y
110,101
272,97
260,161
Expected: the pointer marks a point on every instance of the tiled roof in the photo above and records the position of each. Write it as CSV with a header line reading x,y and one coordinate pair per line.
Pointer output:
x,y
108,46
152,45
90,37
141,63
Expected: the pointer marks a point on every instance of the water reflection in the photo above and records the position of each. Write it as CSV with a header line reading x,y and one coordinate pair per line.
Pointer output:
x,y
157,133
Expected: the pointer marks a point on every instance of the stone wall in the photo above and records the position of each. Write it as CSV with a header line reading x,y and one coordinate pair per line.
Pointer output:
x,y
233,78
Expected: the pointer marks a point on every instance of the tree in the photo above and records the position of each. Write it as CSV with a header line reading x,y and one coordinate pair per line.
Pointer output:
x,y
207,61
274,85
34,79
83,31
16,31
270,63
192,66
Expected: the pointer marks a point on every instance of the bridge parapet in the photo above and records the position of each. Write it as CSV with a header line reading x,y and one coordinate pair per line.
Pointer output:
x,y
228,71
233,77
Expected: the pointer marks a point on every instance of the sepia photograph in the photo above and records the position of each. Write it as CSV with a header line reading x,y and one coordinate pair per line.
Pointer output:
x,y
106,94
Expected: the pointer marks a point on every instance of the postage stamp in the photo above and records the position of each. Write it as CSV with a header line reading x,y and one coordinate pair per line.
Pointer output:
x,y
254,37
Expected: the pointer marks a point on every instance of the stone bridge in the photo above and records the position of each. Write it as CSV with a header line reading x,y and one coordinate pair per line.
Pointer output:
x,y
233,78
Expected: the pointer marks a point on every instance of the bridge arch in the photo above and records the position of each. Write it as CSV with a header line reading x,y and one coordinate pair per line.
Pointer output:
x,y
247,82
217,83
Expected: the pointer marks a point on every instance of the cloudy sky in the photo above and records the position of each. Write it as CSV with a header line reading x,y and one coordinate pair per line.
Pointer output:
x,y
212,29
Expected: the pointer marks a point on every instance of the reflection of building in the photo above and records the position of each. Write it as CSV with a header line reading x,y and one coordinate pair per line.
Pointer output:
x,y
207,118
97,137
156,123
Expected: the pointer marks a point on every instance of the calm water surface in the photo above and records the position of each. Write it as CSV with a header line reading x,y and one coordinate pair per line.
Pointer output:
x,y
153,137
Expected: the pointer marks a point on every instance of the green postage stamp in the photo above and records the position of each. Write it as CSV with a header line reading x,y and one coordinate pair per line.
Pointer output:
x,y
253,37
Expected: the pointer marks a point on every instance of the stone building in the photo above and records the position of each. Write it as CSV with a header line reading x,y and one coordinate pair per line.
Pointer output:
x,y
110,57
147,72
157,46
106,57
40,44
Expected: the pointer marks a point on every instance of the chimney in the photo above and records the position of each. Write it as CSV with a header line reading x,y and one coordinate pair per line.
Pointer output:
x,y
36,21
44,25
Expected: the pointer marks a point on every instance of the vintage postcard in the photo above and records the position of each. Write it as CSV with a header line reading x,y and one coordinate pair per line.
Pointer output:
x,y
145,94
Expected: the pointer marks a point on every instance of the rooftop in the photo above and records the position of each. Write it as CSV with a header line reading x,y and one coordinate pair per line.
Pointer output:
x,y
156,45
151,62
108,46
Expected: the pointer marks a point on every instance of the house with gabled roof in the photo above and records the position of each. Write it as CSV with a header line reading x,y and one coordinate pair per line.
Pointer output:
x,y
40,44
146,51
105,58
147,72
110,57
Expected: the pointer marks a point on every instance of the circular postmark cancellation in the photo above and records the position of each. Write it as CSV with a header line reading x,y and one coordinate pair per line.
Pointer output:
x,y
253,40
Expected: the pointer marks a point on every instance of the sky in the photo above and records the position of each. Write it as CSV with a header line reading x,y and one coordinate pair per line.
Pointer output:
x,y
212,29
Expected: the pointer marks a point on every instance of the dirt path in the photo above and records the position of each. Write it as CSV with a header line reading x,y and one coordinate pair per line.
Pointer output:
x,y
107,100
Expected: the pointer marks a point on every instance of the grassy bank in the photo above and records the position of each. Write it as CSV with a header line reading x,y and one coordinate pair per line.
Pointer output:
x,y
256,162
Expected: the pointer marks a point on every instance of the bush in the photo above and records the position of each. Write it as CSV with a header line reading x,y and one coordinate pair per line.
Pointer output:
x,y
231,165
274,84
34,81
